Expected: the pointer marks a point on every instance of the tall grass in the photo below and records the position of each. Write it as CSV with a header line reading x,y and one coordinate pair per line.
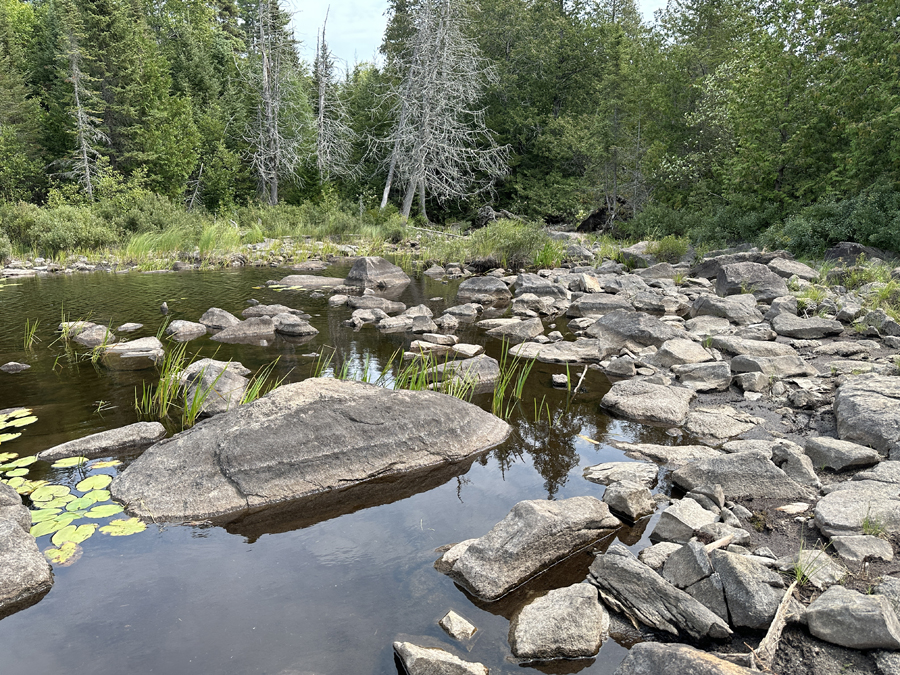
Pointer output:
x,y
156,400
262,383
30,330
510,384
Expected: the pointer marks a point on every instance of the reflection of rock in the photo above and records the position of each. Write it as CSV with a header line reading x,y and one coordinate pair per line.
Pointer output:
x,y
130,438
25,575
253,456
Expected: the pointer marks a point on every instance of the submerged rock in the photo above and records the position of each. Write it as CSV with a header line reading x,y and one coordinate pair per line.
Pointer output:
x,y
14,367
130,438
253,456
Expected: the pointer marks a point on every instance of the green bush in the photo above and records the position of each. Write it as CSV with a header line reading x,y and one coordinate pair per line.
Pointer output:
x,y
5,248
669,249
66,228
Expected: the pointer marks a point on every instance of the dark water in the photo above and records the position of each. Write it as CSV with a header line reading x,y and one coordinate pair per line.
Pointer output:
x,y
325,592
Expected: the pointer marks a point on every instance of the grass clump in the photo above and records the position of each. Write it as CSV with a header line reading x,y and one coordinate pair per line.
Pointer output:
x,y
511,243
873,525
669,249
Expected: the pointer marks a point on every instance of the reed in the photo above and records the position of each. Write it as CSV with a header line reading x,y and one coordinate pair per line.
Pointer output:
x,y
30,337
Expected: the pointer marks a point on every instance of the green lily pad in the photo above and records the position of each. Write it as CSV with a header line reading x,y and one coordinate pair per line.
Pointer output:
x,y
105,463
79,504
105,511
58,502
15,482
5,438
21,421
74,533
44,514
26,487
6,456
69,462
23,461
123,527
48,492
97,496
61,555
51,526
17,472
21,412
97,482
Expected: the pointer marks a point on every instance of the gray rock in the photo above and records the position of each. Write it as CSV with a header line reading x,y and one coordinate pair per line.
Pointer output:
x,y
748,277
620,367
533,536
375,272
580,351
797,466
12,508
621,326
888,662
806,329
338,300
250,330
867,411
743,474
655,556
851,619
688,565
481,371
838,455
252,456
661,304
537,285
856,506
739,309
466,312
715,424
214,386
137,354
25,575
456,626
130,438
654,658
886,472
628,586
815,565
518,331
752,591
710,592
267,310
641,400
466,351
773,366
679,351
309,281
629,499
291,324
598,304
670,456
783,305
565,623
679,521
716,531
861,547
788,268
730,344
528,304
714,376
484,291
185,330
431,661
14,367
642,473
95,336
752,382
375,302
217,319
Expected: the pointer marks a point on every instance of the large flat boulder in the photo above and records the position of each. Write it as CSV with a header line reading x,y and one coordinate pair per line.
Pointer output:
x,y
621,326
648,402
130,438
654,658
739,309
582,350
867,411
742,474
139,354
598,304
801,328
533,536
750,277
853,507
483,290
300,440
25,575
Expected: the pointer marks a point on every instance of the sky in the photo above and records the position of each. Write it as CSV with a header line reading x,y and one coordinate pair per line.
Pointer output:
x,y
355,26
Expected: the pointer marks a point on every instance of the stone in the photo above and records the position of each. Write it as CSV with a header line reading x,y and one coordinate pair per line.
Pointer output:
x,y
679,521
688,565
629,499
752,591
220,385
308,282
654,658
534,535
457,627
739,309
293,325
130,438
743,474
628,586
95,336
655,556
537,285
620,367
850,619
484,291
812,328
375,302
139,354
867,411
773,366
250,330
730,344
217,319
529,304
566,623
706,326
580,351
861,547
856,506
598,304
642,473
714,376
789,268
816,566
185,330
25,575
715,424
375,272
466,312
480,371
518,331
710,592
268,310
716,531
13,367
835,454
661,304
621,326
643,401
431,661
668,455
253,456
749,277
466,351
886,472
679,351
12,509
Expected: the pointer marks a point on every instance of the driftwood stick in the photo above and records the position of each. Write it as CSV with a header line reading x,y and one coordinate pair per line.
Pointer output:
x,y
580,380
719,543
765,653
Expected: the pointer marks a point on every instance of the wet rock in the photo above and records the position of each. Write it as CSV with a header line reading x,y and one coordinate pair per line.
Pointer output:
x,y
216,386
849,506
137,354
252,456
291,324
621,326
850,619
752,591
217,319
628,586
679,521
739,309
598,304
861,547
704,376
25,575
653,658
629,499
806,329
743,474
641,400
565,623
643,473
95,336
185,330
375,272
533,536
484,291
773,366
430,661
375,302
748,277
679,351
309,281
456,626
130,438
655,556
687,565
250,330
867,411
14,367
834,454
518,331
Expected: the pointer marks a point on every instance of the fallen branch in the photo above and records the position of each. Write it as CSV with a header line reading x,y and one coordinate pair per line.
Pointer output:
x,y
765,653
580,380
446,234
719,543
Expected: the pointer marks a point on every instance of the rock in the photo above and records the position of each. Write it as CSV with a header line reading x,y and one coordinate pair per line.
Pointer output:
x,y
789,268
291,324
806,329
679,351
715,424
214,386
456,626
730,344
773,366
466,351
580,351
748,277
484,291
641,400
886,472
565,623
338,300
704,376
620,367
688,565
679,521
185,330
375,302
668,455
752,591
130,438
716,531
784,305
856,506
834,454
661,304
705,326
860,547
628,586
743,474
739,309
642,473
655,556
629,499
518,331
598,304
533,536
14,367
710,592
466,312
25,575
268,310
375,272
850,619
654,658
815,565
430,661
797,466
95,336
217,319
308,282
137,354
251,330
480,371
529,304
252,456
537,285
621,326
867,411
12,509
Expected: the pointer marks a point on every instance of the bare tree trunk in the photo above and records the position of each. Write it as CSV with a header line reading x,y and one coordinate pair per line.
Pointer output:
x,y
422,199
390,178
408,199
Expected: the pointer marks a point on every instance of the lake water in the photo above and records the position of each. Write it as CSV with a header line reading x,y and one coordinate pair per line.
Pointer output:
x,y
310,596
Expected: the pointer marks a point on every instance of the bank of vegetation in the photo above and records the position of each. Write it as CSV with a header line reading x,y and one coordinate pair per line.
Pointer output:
x,y
190,124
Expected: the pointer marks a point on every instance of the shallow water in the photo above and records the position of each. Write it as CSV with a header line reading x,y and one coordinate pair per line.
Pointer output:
x,y
326,592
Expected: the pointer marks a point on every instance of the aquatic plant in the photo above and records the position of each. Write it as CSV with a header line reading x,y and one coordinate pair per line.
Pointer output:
x,y
513,374
30,330
260,383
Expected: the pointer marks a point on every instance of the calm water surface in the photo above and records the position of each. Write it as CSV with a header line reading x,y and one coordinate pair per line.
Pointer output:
x,y
320,593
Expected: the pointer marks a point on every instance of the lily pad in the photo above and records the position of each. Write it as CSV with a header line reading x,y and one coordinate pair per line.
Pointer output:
x,y
105,511
124,527
51,526
69,462
97,496
20,422
6,456
79,504
64,555
4,438
26,487
74,533
105,463
58,502
48,492
17,472
97,482
20,412
23,461
15,482
44,514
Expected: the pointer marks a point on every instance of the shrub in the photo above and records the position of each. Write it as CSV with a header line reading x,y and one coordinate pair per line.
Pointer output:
x,y
5,248
69,227
669,249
